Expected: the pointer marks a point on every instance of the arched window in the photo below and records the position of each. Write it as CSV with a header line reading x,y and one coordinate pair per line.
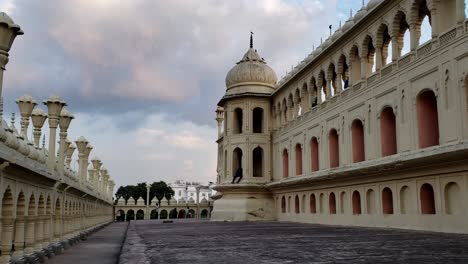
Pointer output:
x,y
385,41
321,203
315,92
236,160
427,199
334,80
238,121
298,159
402,33
370,202
283,204
428,121
289,204
388,138
405,200
356,203
313,207
257,120
387,201
357,131
423,21
452,198
323,87
257,162
285,163
332,203
369,48
334,149
314,154
296,205
344,71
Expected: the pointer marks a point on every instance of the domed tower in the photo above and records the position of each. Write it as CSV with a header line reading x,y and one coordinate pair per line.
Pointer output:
x,y
244,144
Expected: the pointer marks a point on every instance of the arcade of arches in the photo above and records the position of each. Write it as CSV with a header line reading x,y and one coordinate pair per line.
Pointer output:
x,y
370,129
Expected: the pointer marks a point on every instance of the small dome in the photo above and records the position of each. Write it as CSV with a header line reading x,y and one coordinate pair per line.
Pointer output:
x,y
6,20
360,14
373,3
338,33
349,24
251,70
326,43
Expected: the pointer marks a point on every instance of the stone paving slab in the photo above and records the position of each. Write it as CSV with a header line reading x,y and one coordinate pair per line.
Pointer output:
x,y
275,242
102,247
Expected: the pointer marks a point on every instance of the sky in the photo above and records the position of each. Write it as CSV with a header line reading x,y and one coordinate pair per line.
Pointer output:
x,y
143,77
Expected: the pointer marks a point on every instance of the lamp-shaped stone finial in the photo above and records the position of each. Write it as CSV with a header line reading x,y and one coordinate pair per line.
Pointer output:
x,y
26,105
69,153
54,107
38,117
84,149
219,118
64,122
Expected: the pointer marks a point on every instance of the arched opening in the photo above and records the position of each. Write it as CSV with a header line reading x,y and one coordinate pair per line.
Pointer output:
x,y
402,33
334,149
427,199
321,203
291,114
452,198
388,138
204,214
356,203
297,103
305,106
303,204
357,132
405,200
333,76
322,86
355,65
387,201
314,154
312,204
283,204
332,203
173,214
289,204
257,120
371,204
285,163
191,213
120,215
238,121
344,203
257,162
130,215
7,213
428,121
423,21
385,41
154,214
285,111
181,214
296,205
369,48
140,215
164,214
344,71
298,159
314,91
237,162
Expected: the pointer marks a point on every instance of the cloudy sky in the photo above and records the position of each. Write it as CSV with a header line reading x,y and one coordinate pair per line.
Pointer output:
x,y
143,77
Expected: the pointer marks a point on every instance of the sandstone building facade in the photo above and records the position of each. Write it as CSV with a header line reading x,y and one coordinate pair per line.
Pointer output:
x,y
359,133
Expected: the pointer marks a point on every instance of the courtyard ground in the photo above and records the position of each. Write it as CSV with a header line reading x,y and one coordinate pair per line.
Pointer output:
x,y
274,242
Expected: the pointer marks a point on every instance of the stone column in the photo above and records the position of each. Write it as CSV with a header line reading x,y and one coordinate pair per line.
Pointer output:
x,y
84,149
7,239
19,236
198,201
147,214
460,11
54,106
435,20
64,122
414,34
395,49
30,234
26,105
378,59
364,67
219,119
38,117
39,232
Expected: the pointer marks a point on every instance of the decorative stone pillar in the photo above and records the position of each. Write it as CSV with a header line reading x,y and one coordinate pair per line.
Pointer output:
x,y
7,239
54,106
30,234
96,168
328,87
290,109
8,32
395,49
84,149
65,120
19,237
26,105
69,153
378,59
460,11
39,234
414,34
198,201
38,117
148,188
364,67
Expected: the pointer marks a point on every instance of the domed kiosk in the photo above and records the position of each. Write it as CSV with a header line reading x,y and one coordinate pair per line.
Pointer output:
x,y
244,146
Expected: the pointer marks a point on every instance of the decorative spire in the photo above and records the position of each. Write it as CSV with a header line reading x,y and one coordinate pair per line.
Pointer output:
x,y
251,39
362,3
43,141
340,23
1,109
12,120
350,13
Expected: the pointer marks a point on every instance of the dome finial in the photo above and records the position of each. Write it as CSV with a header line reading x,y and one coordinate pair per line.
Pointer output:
x,y
251,39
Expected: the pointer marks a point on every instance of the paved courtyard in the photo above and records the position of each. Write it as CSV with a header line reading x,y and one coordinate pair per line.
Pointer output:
x,y
273,242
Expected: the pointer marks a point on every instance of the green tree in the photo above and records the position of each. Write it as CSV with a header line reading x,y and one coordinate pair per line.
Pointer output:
x,y
158,189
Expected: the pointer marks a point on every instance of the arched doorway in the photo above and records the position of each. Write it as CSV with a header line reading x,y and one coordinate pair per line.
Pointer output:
x,y
428,121
120,215
334,149
154,214
285,163
257,120
356,203
173,214
204,214
387,201
388,138
236,160
164,214
314,153
140,215
257,162
181,214
130,215
427,199
332,203
357,131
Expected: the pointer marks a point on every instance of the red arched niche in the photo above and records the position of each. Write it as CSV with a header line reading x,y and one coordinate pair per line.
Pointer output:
x,y
314,153
285,163
388,132
427,199
387,201
357,131
313,207
332,203
356,203
428,121
283,205
334,149
296,204
298,159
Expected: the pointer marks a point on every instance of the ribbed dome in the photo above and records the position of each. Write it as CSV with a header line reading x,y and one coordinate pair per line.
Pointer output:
x,y
373,3
360,14
251,70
